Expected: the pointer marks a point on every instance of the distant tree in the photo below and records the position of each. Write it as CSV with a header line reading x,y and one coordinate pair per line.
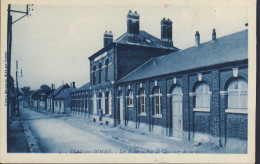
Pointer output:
x,y
45,88
19,91
26,91
32,91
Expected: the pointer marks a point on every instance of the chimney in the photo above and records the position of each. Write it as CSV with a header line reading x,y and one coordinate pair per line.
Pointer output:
x,y
166,33
214,34
132,25
108,38
73,84
197,39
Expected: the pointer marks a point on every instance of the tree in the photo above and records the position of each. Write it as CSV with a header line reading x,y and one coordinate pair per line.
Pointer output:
x,y
26,91
45,88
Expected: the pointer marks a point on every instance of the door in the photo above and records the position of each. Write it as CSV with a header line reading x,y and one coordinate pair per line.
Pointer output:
x,y
177,112
121,111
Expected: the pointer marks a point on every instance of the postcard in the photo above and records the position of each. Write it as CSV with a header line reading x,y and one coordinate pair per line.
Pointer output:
x,y
109,81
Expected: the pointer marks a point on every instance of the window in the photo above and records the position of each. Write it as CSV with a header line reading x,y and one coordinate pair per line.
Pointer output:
x,y
94,75
106,70
107,103
237,94
100,73
141,98
148,41
157,101
129,98
82,104
202,96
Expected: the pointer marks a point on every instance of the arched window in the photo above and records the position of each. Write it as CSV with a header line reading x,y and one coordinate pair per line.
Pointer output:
x,y
141,101
107,103
202,96
237,94
130,98
157,101
94,75
106,70
100,73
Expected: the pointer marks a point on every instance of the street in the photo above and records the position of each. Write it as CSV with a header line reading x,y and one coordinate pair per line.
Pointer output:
x,y
56,133
56,136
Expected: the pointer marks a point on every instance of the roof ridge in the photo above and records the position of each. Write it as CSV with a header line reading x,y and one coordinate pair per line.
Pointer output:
x,y
174,52
226,49
120,37
136,69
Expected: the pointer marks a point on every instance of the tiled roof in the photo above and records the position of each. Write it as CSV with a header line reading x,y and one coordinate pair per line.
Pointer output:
x,y
64,93
226,49
145,39
58,90
82,88
36,94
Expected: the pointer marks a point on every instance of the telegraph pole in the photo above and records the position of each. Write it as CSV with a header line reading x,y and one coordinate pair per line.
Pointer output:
x,y
17,88
10,23
52,87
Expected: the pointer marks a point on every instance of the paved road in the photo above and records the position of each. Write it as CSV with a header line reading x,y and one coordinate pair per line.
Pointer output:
x,y
56,136
53,133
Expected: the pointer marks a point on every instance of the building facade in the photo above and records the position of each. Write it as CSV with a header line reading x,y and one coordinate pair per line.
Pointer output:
x,y
62,101
119,58
80,100
51,105
197,94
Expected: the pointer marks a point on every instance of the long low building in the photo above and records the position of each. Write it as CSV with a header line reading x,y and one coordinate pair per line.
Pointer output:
x,y
80,100
198,94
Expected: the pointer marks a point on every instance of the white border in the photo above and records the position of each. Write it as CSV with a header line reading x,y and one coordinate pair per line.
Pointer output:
x,y
131,158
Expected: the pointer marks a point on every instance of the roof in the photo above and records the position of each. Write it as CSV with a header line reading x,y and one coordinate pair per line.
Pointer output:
x,y
226,49
64,93
145,39
56,91
36,94
83,88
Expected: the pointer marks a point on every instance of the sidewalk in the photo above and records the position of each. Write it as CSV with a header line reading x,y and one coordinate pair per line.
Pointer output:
x,y
16,139
147,142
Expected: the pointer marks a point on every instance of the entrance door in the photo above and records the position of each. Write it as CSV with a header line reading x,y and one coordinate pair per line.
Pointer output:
x,y
121,109
177,112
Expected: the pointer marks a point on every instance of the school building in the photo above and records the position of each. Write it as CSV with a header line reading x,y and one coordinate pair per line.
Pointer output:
x,y
197,94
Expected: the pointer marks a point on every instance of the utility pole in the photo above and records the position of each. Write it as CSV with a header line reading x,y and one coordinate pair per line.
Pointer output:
x,y
10,23
52,87
17,88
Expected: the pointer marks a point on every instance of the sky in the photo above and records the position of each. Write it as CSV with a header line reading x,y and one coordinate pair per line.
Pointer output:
x,y
54,43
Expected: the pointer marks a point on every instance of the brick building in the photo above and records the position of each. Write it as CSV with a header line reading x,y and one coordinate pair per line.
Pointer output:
x,y
80,100
198,94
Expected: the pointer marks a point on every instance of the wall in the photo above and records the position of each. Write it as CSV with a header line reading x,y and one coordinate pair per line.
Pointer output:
x,y
213,126
130,57
110,57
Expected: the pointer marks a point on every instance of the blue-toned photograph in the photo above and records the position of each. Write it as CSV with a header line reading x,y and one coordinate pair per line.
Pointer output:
x,y
127,79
